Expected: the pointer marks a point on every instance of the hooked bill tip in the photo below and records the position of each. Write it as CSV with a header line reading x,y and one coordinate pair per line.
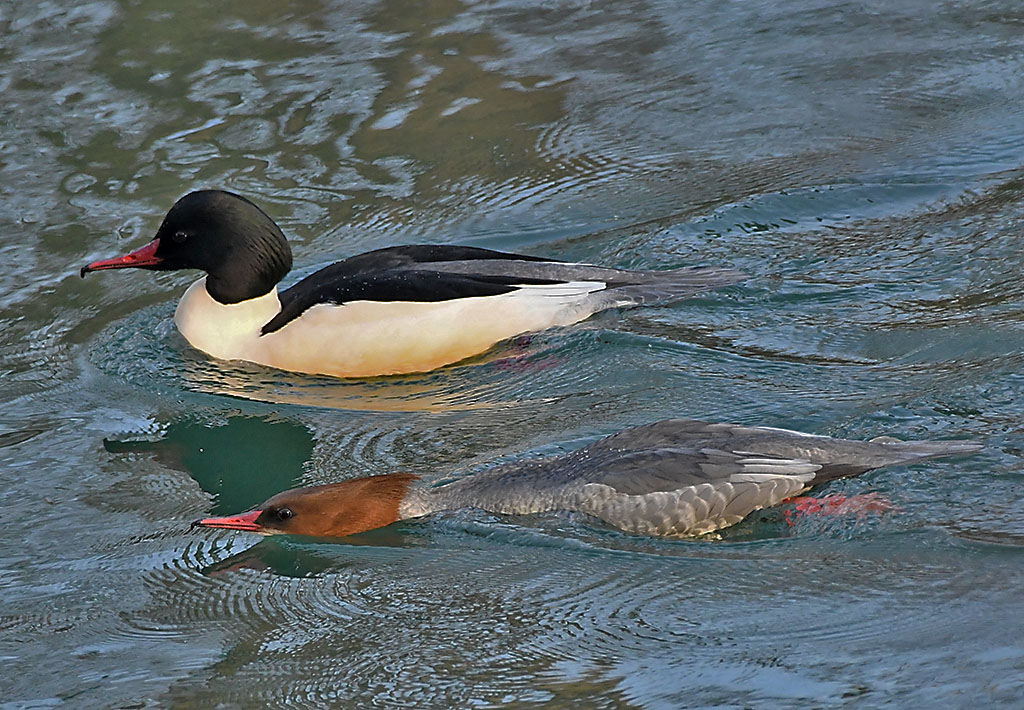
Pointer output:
x,y
243,521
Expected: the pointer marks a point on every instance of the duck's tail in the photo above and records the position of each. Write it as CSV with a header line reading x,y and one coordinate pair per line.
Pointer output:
x,y
635,288
916,450
887,451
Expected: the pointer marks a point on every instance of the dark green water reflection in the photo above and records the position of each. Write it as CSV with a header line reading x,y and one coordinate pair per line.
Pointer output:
x,y
242,461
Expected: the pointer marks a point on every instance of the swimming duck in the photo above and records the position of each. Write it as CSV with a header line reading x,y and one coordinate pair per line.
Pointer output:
x,y
389,311
678,477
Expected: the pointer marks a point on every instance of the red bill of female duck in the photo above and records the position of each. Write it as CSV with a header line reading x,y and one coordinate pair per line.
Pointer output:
x,y
390,311
674,478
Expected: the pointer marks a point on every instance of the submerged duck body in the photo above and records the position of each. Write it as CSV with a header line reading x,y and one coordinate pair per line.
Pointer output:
x,y
390,311
675,478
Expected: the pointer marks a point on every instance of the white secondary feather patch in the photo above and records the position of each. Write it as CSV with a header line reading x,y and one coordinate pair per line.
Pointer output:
x,y
750,477
753,460
569,289
369,338
785,467
790,431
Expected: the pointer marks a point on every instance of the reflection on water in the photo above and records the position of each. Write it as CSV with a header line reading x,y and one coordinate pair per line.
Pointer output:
x,y
360,127
861,162
242,461
277,556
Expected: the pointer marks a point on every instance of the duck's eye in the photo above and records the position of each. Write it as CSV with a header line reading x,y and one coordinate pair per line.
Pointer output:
x,y
180,237
285,514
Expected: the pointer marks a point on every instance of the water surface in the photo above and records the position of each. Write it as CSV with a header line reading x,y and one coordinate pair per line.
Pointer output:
x,y
861,161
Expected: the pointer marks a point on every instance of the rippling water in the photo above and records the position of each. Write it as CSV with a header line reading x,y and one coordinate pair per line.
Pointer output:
x,y
861,161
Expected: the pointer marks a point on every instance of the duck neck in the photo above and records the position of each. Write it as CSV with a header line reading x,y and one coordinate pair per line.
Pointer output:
x,y
226,331
250,267
241,283
511,489
417,502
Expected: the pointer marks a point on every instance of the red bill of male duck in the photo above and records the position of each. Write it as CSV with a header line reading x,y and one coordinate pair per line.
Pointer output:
x,y
674,478
390,311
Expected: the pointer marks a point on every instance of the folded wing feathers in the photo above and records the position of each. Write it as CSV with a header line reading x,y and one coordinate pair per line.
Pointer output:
x,y
753,466
635,287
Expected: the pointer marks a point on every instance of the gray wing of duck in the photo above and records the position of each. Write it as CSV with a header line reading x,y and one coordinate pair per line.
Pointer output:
x,y
622,287
682,477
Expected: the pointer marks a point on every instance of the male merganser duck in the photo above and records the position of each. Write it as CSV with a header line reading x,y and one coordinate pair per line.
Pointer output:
x,y
678,477
390,311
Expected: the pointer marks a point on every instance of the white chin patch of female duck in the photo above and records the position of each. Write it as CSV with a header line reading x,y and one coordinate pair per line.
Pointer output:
x,y
370,338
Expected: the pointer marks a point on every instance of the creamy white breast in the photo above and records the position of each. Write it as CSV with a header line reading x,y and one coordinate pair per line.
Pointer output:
x,y
229,332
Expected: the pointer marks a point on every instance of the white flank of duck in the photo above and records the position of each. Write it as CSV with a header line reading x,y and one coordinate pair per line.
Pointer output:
x,y
379,338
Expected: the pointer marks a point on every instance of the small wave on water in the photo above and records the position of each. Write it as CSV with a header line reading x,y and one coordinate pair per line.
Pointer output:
x,y
567,610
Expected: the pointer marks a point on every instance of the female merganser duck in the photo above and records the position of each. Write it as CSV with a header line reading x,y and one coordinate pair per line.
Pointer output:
x,y
678,477
389,311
